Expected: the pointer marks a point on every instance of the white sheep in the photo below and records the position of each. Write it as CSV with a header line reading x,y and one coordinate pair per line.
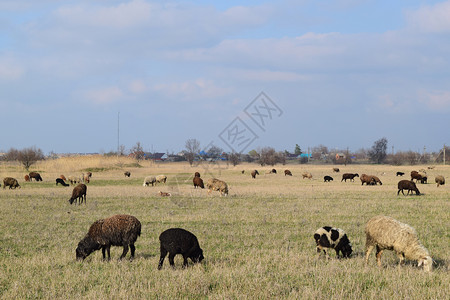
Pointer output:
x,y
387,233
161,178
149,180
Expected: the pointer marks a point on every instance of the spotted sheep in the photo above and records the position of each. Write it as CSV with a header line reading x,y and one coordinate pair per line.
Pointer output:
x,y
335,238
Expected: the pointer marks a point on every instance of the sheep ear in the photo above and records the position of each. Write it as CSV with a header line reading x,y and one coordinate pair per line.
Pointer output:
x,y
420,262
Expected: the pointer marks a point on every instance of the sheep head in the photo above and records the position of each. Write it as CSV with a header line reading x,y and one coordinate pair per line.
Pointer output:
x,y
197,256
427,263
85,247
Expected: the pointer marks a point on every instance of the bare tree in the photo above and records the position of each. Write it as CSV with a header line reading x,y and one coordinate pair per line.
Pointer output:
x,y
122,150
215,152
192,149
234,158
137,151
29,156
378,153
268,156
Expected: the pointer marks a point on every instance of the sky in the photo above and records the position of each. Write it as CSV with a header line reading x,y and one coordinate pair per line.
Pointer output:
x,y
83,76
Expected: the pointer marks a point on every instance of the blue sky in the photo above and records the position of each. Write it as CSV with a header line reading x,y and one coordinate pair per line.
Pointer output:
x,y
344,73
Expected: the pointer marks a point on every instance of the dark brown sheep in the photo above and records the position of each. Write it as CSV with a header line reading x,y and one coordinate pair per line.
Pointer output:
x,y
287,172
27,178
196,174
11,182
127,174
118,230
179,241
400,174
79,192
198,182
407,185
349,176
243,171
440,180
336,170
273,171
60,181
254,173
415,175
36,176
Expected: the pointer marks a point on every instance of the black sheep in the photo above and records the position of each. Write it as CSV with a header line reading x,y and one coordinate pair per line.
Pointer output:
x,y
60,181
336,238
118,230
35,175
327,178
349,176
407,185
400,174
127,174
79,192
179,241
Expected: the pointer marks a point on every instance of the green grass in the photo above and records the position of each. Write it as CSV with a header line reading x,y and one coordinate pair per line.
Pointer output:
x,y
257,242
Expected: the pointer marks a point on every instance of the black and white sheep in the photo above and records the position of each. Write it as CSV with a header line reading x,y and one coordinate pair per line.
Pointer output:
x,y
60,181
385,232
407,185
327,178
127,173
254,173
440,180
179,241
79,192
336,238
118,230
349,176
11,182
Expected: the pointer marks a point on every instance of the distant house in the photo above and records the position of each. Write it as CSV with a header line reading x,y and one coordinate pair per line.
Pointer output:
x,y
156,156
292,156
340,158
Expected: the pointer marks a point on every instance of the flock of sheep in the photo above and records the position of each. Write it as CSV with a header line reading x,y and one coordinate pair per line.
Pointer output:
x,y
382,232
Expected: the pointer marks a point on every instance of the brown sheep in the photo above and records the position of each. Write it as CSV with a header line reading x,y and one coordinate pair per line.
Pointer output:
x,y
118,230
215,184
86,178
307,175
407,185
11,182
370,180
243,171
349,176
440,180
336,170
27,178
198,182
422,176
254,173
287,172
35,175
79,192
164,194
63,177
127,174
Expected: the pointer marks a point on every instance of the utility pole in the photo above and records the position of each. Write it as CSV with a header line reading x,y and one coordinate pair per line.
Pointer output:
x,y
444,154
118,140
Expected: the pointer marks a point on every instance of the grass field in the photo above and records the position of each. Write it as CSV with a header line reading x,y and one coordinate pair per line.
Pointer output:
x,y
257,242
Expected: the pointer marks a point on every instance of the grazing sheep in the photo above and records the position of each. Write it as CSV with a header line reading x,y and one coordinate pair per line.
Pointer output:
x,y
179,241
422,176
164,194
273,171
215,184
161,179
287,172
349,176
400,174
336,170
148,180
60,181
407,185
196,174
74,179
370,180
27,178
431,167
63,177
79,192
440,180
198,182
336,238
327,178
36,176
127,173
306,175
87,177
118,230
11,182
243,171
387,233
254,173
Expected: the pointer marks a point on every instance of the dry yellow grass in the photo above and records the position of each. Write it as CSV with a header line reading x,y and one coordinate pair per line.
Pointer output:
x,y
257,241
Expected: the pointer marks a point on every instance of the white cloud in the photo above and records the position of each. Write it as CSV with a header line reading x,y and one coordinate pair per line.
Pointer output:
x,y
430,18
192,90
438,101
138,86
105,95
10,69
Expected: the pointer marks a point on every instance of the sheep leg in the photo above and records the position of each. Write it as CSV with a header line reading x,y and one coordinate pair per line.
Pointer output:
x,y
125,251
368,251
185,261
103,252
379,253
171,257
401,257
161,258
132,248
